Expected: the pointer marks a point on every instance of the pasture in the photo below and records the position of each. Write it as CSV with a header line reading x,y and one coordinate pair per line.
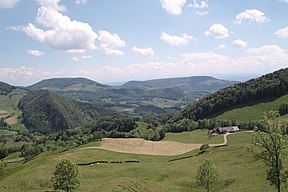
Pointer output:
x,y
241,171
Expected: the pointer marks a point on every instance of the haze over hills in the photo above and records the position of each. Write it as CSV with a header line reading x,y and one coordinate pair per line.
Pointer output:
x,y
141,97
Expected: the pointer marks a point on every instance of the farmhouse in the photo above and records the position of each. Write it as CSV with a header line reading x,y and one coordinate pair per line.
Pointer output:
x,y
223,130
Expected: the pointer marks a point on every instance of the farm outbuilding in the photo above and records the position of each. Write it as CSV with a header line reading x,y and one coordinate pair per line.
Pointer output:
x,y
223,130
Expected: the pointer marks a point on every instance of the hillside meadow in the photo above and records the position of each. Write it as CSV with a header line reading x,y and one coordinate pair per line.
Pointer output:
x,y
241,171
254,112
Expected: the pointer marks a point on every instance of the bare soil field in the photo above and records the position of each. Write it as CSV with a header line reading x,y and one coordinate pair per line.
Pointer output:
x,y
141,146
12,120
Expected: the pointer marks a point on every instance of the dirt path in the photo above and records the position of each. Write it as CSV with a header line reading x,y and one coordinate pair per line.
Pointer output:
x,y
141,146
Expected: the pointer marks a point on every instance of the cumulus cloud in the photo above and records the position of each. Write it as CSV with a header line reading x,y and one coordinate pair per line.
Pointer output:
x,y
110,43
267,50
217,31
35,53
184,39
8,4
282,33
285,1
252,15
59,31
143,51
173,7
80,2
239,43
199,4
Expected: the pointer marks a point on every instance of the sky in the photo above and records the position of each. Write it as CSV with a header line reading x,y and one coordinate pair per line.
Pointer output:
x,y
121,40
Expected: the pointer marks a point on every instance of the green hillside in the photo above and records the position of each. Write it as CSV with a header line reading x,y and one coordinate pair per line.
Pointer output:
x,y
5,88
152,173
65,84
254,91
45,111
254,112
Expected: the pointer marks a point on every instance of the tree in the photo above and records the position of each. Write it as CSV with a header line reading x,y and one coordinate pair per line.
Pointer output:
x,y
272,143
208,175
204,148
283,109
66,176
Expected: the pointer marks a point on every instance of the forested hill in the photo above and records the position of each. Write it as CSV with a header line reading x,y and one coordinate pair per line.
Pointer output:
x,y
64,84
194,83
269,86
45,112
5,88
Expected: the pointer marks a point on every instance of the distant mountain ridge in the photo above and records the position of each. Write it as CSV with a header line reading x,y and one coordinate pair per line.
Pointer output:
x,y
62,84
193,83
141,97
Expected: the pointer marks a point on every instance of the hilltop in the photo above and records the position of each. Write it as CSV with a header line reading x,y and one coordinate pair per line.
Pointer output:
x,y
66,84
5,88
189,84
46,112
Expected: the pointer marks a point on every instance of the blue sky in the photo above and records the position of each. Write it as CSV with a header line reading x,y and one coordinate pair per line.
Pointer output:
x,y
121,40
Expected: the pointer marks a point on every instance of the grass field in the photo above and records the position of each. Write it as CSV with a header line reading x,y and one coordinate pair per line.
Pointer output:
x,y
255,112
198,137
241,172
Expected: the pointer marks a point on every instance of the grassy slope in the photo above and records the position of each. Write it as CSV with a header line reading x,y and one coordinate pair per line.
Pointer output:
x,y
255,112
153,173
198,137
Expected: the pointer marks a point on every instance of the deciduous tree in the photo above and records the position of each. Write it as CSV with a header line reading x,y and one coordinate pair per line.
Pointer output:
x,y
272,143
66,176
208,175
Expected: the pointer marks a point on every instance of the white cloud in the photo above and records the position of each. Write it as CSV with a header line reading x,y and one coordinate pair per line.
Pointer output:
x,y
143,51
201,13
282,33
252,15
260,60
35,53
221,46
199,4
80,2
239,43
75,59
173,7
267,50
184,39
8,4
217,31
59,31
86,57
111,42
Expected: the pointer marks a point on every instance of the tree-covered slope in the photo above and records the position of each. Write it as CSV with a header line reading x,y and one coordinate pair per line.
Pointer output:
x,y
5,88
46,112
194,83
272,85
63,84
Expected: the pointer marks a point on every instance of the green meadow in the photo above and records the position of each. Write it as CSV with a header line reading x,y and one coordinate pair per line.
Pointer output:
x,y
240,170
